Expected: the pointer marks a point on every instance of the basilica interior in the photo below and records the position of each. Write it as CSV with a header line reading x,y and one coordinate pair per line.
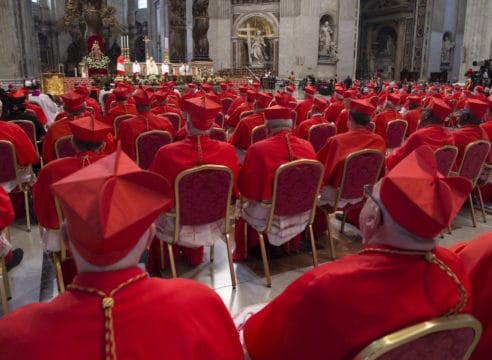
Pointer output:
x,y
55,43
394,39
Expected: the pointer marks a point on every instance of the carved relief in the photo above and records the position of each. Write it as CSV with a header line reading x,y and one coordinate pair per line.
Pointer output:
x,y
177,31
200,29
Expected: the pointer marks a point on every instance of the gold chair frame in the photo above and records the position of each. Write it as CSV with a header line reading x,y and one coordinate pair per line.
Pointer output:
x,y
445,148
246,113
404,132
271,214
59,140
5,292
170,114
475,181
24,187
117,122
339,192
36,142
401,337
255,130
137,153
177,228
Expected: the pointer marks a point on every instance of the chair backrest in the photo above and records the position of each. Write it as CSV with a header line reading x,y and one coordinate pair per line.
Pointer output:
x,y
293,116
245,113
259,133
447,338
148,143
371,126
474,157
8,161
29,129
118,120
64,147
319,133
226,103
296,188
218,134
213,184
445,158
173,118
395,133
219,119
360,168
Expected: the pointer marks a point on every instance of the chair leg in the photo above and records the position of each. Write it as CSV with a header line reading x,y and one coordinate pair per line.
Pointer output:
x,y
161,256
55,258
313,246
171,260
231,265
330,236
472,210
5,278
26,203
6,231
344,218
3,290
245,240
482,207
212,253
265,260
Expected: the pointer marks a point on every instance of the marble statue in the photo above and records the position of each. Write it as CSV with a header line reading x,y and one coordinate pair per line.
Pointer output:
x,y
325,38
446,50
200,29
257,50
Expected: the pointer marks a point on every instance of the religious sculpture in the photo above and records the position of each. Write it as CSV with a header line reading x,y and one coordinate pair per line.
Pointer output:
x,y
446,49
177,30
257,50
200,29
325,39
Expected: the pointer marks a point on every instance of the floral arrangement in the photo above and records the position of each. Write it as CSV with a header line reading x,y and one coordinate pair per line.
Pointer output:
x,y
93,63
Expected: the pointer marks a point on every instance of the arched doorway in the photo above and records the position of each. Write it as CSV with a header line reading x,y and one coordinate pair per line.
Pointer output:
x,y
255,42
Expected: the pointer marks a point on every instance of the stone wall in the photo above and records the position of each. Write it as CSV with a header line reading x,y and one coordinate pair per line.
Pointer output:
x,y
10,56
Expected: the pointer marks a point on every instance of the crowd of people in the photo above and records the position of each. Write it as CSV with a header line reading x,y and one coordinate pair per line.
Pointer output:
x,y
110,211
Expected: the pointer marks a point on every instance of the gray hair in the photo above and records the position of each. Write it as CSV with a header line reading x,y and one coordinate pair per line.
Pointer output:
x,y
279,125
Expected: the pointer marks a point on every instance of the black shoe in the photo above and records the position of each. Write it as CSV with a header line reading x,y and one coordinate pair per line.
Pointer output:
x,y
339,216
16,259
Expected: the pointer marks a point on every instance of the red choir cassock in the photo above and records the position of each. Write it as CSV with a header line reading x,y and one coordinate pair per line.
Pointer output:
x,y
331,114
118,110
238,101
145,322
338,147
302,108
336,309
258,172
412,117
23,146
39,112
476,255
382,119
465,135
302,130
193,151
247,105
342,121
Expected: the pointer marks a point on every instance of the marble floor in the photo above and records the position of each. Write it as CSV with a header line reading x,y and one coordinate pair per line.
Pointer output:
x,y
32,282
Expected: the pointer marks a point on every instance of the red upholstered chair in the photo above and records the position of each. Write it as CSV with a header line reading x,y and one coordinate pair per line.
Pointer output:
x,y
445,158
226,103
245,113
219,119
371,126
218,134
446,338
10,171
30,130
395,133
471,167
174,119
202,196
318,134
148,143
64,147
293,116
259,133
295,191
117,122
360,168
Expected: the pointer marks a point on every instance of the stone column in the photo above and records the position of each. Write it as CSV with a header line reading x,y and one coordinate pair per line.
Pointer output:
x,y
177,30
200,30
400,44
10,56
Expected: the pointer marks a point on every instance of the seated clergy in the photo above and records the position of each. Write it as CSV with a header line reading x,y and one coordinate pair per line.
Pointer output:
x,y
400,278
88,141
197,148
256,182
12,257
113,309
